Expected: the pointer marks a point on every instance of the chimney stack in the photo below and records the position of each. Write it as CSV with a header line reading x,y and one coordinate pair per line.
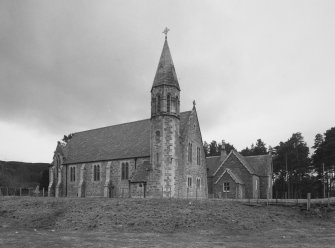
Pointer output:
x,y
223,151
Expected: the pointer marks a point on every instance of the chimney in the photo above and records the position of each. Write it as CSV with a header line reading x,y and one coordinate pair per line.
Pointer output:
x,y
223,151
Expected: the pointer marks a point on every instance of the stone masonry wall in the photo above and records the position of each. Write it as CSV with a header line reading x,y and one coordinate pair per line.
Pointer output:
x,y
96,188
192,169
238,169
218,187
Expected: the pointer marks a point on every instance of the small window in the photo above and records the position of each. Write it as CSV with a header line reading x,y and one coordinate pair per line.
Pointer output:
x,y
198,182
226,187
153,100
158,104
256,184
96,172
189,181
158,136
168,103
198,155
125,171
72,174
157,159
189,152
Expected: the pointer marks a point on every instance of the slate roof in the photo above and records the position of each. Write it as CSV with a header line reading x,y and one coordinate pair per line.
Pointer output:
x,y
261,164
166,73
244,162
184,117
142,172
128,140
212,164
236,178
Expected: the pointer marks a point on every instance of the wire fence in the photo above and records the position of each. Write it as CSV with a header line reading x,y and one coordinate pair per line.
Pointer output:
x,y
18,191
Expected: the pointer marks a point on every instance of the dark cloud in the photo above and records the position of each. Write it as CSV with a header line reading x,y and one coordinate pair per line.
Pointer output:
x,y
67,66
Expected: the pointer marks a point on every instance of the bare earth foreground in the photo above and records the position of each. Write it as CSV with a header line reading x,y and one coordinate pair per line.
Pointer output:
x,y
101,222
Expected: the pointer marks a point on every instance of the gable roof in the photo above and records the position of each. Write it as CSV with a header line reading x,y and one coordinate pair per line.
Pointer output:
x,y
262,164
166,73
240,158
244,162
142,172
128,140
232,175
212,164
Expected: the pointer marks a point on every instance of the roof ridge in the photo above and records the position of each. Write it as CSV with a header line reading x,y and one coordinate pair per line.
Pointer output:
x,y
120,124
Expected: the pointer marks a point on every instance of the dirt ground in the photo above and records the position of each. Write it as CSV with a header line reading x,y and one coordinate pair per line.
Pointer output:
x,y
100,222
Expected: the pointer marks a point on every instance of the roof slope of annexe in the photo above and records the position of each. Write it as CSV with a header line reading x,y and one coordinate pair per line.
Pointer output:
x,y
232,175
240,158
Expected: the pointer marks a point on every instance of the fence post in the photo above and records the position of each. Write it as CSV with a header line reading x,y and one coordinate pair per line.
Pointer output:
x,y
43,191
308,201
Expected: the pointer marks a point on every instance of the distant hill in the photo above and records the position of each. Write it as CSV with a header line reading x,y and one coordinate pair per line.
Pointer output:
x,y
21,174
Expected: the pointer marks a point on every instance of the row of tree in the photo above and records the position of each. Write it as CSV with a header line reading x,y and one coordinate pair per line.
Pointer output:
x,y
295,172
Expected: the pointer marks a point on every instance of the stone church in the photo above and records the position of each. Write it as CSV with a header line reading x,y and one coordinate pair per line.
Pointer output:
x,y
158,157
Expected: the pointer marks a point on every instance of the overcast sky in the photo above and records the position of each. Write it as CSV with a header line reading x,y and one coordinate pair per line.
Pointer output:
x,y
257,69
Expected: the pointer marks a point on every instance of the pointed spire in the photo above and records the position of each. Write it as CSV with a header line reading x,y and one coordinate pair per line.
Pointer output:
x,y
166,74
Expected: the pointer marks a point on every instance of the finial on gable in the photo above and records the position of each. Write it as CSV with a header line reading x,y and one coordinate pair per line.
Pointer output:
x,y
194,104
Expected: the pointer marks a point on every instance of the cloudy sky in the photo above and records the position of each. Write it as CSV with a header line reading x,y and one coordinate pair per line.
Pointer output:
x,y
257,69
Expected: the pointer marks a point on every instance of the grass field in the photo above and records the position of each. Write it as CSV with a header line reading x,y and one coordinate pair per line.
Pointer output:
x,y
100,222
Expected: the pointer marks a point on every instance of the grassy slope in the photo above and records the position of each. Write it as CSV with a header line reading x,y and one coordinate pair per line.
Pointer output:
x,y
21,174
151,215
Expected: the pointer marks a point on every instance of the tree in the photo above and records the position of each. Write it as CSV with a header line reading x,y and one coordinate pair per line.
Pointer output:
x,y
291,164
213,149
206,148
258,149
324,158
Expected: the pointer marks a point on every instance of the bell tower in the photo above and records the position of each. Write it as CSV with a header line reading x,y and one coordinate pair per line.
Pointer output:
x,y
165,123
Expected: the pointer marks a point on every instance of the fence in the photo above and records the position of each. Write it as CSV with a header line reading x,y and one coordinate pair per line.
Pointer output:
x,y
10,191
287,202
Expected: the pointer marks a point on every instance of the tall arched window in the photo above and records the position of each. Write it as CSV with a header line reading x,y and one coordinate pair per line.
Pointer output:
x,y
153,100
96,172
158,104
168,103
125,171
177,105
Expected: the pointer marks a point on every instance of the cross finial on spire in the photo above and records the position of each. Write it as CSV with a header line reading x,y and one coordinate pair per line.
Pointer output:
x,y
194,103
166,30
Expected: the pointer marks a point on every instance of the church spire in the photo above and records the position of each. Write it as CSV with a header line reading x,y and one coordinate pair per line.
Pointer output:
x,y
166,74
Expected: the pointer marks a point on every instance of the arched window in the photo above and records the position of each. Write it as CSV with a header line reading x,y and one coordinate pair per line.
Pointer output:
x,y
158,136
168,103
72,174
158,104
153,100
177,105
125,171
96,172
189,152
